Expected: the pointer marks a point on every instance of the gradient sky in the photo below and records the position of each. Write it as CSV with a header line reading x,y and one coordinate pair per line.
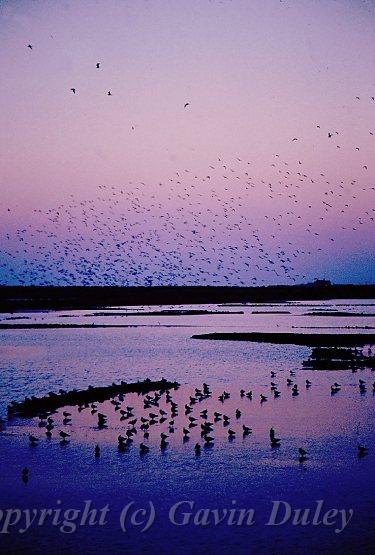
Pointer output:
x,y
256,73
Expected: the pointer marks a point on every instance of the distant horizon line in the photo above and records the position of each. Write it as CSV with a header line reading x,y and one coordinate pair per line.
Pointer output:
x,y
308,284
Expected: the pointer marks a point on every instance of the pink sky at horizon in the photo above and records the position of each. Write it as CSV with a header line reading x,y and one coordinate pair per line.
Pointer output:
x,y
256,74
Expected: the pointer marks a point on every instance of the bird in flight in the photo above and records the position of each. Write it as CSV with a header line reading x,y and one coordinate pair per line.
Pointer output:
x,y
109,93
73,90
295,139
97,65
30,46
186,104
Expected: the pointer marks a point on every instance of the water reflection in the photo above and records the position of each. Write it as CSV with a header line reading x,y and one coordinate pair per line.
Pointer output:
x,y
244,468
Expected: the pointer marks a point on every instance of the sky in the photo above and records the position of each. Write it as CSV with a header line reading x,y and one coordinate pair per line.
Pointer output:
x,y
266,176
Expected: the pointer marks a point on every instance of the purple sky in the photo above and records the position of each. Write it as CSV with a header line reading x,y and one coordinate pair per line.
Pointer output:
x,y
256,75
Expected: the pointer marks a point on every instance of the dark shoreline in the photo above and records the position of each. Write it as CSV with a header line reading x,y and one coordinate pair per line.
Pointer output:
x,y
166,313
17,298
87,326
341,314
308,340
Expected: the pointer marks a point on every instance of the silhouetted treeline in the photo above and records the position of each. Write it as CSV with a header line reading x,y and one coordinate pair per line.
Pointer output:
x,y
14,298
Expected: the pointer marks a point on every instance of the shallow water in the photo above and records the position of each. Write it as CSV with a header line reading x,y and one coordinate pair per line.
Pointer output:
x,y
245,472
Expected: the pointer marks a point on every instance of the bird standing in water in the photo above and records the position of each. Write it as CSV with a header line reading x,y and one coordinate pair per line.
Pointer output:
x,y
362,451
275,442
25,475
33,440
143,449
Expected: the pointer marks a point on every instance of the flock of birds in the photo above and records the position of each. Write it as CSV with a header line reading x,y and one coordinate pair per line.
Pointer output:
x,y
240,221
195,229
155,416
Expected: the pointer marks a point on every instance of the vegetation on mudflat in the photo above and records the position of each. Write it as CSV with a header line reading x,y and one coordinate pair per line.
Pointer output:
x,y
33,406
308,340
334,358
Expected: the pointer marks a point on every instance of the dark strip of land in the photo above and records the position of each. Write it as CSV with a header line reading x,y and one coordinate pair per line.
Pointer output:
x,y
33,406
270,312
13,298
165,313
88,326
335,314
308,340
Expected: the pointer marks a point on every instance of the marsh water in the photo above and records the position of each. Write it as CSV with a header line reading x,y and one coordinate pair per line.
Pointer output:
x,y
242,472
